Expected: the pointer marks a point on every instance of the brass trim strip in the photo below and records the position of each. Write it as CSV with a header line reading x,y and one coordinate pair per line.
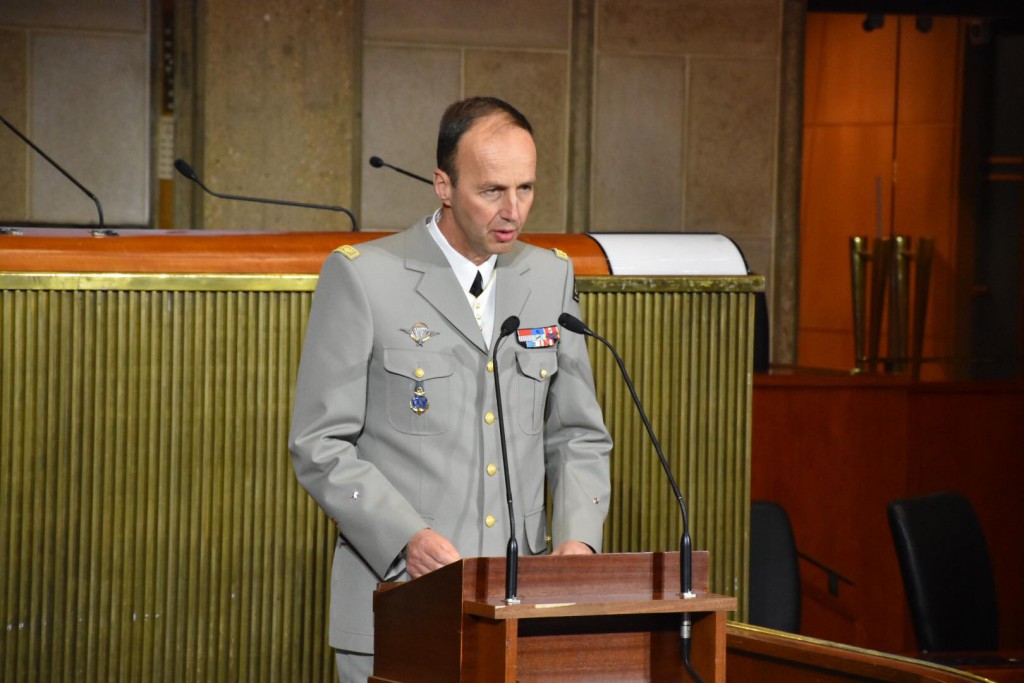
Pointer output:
x,y
162,282
670,283
217,282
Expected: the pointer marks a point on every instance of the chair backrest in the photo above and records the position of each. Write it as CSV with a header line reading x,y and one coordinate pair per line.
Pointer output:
x,y
774,569
947,573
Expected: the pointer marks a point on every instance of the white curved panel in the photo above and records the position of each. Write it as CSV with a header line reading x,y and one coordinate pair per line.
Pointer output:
x,y
671,254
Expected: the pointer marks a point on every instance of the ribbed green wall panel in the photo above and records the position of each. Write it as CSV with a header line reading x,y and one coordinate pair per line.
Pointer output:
x,y
151,528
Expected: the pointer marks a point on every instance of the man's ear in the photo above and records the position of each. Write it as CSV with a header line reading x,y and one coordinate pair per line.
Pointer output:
x,y
442,186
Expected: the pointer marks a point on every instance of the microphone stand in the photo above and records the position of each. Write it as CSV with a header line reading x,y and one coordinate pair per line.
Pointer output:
x,y
99,231
377,162
512,553
185,169
574,324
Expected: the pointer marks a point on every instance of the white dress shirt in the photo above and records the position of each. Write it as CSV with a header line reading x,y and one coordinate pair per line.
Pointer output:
x,y
465,272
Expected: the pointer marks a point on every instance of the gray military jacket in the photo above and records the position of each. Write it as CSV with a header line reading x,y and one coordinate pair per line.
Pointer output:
x,y
394,424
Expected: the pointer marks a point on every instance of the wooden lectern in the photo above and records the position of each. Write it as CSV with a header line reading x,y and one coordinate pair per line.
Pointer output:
x,y
613,617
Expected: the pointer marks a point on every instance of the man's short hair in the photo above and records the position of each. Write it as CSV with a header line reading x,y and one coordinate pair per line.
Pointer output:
x,y
460,116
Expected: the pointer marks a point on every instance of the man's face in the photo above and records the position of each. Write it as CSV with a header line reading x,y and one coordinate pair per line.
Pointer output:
x,y
497,169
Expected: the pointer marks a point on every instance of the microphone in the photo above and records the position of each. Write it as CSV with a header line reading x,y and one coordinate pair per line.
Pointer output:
x,y
574,324
99,231
185,169
512,554
377,162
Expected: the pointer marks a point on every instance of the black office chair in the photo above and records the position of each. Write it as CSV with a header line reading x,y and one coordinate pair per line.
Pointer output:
x,y
947,573
774,569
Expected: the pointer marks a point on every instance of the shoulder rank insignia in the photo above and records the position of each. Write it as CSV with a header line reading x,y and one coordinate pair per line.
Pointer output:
x,y
537,337
560,254
420,333
348,251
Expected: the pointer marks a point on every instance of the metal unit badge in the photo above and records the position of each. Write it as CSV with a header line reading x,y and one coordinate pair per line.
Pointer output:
x,y
537,337
419,401
420,333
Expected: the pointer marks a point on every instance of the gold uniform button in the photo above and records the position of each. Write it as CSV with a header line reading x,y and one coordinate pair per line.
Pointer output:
x,y
489,520
489,418
492,470
543,374
419,372
490,366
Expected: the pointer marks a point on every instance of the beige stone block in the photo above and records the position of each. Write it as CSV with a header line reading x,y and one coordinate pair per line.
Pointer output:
x,y
537,84
511,23
718,27
89,104
277,112
757,250
637,167
108,15
731,147
14,107
405,91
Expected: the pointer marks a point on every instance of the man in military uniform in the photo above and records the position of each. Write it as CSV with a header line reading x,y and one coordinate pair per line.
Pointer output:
x,y
394,432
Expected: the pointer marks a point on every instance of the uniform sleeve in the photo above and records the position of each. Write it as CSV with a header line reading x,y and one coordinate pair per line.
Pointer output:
x,y
330,408
576,442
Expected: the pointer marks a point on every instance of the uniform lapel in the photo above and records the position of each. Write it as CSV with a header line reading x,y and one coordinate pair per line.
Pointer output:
x,y
513,289
438,284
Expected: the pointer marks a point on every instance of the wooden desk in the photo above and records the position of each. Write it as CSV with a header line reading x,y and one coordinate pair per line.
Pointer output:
x,y
1003,666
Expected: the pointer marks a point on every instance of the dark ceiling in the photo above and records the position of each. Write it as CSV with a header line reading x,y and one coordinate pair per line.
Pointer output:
x,y
964,8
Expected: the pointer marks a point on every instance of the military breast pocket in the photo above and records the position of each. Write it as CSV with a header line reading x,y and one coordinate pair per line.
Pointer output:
x,y
419,399
536,369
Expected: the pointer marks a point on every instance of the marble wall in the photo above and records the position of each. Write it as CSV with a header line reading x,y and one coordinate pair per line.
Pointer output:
x,y
420,57
273,100
74,78
650,115
682,108
686,119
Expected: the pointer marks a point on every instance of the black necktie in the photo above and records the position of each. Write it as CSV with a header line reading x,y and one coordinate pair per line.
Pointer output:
x,y
477,288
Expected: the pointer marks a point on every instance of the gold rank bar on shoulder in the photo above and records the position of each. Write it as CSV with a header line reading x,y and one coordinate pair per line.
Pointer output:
x,y
560,254
348,251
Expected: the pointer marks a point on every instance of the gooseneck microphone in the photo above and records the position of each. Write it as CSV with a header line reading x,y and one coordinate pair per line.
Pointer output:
x,y
574,324
377,162
99,231
512,554
185,169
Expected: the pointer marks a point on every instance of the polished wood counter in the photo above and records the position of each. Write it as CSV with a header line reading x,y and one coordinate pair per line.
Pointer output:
x,y
834,449
183,251
767,656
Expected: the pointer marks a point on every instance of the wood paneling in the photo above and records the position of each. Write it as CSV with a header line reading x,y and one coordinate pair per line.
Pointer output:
x,y
835,450
880,140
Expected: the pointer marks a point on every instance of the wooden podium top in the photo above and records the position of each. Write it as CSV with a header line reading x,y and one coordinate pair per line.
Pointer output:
x,y
611,617
607,584
214,252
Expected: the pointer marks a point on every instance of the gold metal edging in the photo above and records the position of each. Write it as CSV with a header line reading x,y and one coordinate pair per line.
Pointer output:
x,y
671,283
189,282
307,282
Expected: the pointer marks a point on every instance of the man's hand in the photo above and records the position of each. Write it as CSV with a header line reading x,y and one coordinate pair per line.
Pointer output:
x,y
428,550
573,548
